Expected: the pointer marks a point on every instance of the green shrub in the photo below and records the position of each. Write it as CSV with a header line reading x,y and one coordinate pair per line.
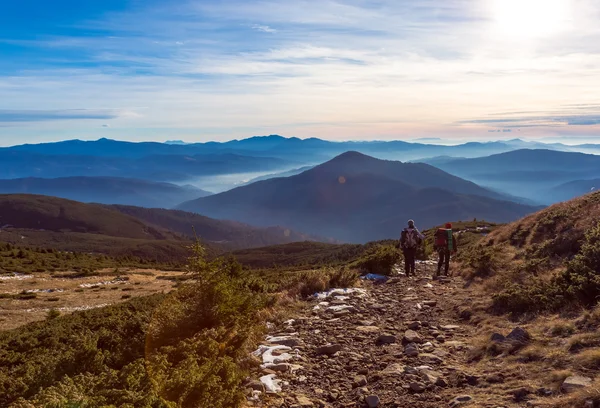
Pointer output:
x,y
482,260
379,260
343,278
52,314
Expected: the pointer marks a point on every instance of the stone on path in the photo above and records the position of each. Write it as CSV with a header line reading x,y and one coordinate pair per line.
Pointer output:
x,y
411,336
497,337
360,381
460,400
386,339
329,349
304,402
575,382
372,401
450,327
417,386
414,325
411,350
368,329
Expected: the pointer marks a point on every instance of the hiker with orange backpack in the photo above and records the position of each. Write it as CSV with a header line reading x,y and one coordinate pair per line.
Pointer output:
x,y
410,239
445,244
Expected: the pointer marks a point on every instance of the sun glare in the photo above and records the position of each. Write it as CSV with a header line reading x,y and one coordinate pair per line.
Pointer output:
x,y
530,18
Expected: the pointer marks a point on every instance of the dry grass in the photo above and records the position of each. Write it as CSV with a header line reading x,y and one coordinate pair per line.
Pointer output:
x,y
582,341
589,359
67,295
562,329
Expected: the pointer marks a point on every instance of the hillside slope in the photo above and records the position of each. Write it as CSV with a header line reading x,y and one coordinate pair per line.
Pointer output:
x,y
357,198
549,260
60,215
229,234
105,190
51,222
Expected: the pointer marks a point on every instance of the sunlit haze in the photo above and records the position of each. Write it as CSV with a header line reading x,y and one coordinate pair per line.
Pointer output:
x,y
339,70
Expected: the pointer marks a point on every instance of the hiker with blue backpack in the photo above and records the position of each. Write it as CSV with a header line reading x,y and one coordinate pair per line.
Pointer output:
x,y
445,245
410,239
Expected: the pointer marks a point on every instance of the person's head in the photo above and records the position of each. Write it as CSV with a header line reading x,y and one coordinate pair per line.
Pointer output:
x,y
448,225
411,224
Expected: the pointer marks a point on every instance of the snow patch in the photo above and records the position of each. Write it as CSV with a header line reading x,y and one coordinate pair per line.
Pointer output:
x,y
343,292
15,276
337,308
271,383
266,352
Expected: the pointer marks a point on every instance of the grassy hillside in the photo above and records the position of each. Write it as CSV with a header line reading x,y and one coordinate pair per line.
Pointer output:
x,y
229,234
152,235
60,215
546,261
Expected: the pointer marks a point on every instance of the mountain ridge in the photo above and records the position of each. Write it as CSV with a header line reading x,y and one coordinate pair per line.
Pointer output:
x,y
357,198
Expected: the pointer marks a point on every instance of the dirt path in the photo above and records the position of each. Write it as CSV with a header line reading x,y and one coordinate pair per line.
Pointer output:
x,y
402,343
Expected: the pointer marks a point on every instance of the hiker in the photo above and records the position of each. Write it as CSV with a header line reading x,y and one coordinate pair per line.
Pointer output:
x,y
410,239
445,244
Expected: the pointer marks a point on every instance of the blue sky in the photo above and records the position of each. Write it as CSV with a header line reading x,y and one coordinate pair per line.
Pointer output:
x,y
347,69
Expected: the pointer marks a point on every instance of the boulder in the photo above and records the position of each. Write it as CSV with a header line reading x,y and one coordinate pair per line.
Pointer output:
x,y
411,336
360,381
329,349
411,350
372,401
414,325
256,386
574,383
497,337
520,394
304,402
519,335
368,329
460,400
417,387
386,339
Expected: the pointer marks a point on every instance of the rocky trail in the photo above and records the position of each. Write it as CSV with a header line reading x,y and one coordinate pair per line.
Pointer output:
x,y
401,343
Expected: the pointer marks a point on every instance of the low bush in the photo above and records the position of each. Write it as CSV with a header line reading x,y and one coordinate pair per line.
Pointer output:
x,y
379,259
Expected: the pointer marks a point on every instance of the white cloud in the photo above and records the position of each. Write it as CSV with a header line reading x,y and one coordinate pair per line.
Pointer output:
x,y
338,69
263,28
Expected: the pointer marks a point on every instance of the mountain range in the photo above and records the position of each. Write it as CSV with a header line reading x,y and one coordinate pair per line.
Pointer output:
x,y
357,198
105,190
17,163
311,150
536,174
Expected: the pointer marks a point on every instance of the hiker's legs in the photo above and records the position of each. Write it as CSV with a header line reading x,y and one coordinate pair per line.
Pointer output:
x,y
447,260
441,255
406,261
413,255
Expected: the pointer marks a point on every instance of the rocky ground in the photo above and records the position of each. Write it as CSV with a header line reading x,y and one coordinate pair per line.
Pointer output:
x,y
402,343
